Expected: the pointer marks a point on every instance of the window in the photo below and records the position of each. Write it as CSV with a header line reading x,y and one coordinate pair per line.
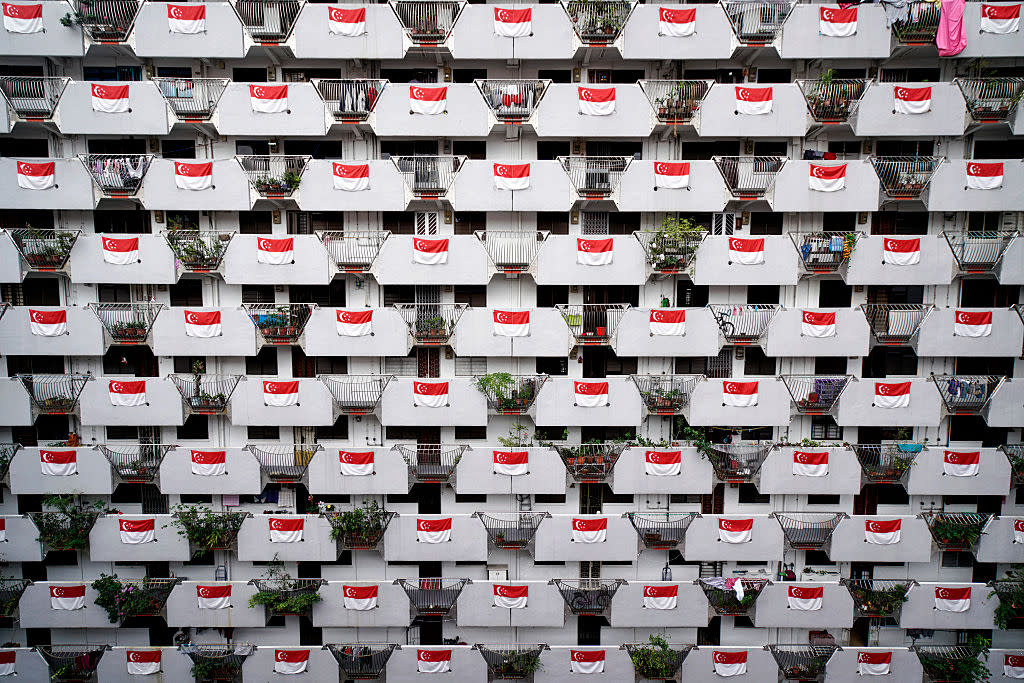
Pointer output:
x,y
614,365
910,75
957,560
195,427
749,495
547,150
321,295
339,430
838,221
468,222
24,147
398,222
834,294
122,433
555,75
845,149
263,363
308,222
817,557
899,223
187,292
984,221
690,365
892,494
999,149
263,432
555,222
623,223
249,74
822,499
690,295
983,292
467,366
549,433
35,365
824,428
774,75
112,73
765,223
470,433
254,223
770,148
555,366
549,499
318,149
402,366
762,294
549,296
755,362
183,364
471,149
409,75
885,361
257,294
130,222
904,148
830,365
306,74
471,498
474,295
704,150
35,291
178,149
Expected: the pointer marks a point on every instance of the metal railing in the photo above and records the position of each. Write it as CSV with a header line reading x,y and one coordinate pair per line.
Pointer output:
x,y
661,530
149,596
198,251
594,176
878,598
966,394
895,324
10,593
1014,453
356,394
512,251
824,252
72,662
33,97
744,323
273,175
808,530
665,663
725,600
7,451
512,100
268,21
833,100
979,252
510,661
107,21
373,523
749,178
1007,591
350,99
135,463
921,25
206,394
905,177
353,251
217,528
886,463
117,175
54,394
666,394
362,661
44,250
427,22
956,530
286,589
511,397
127,323
430,176
802,662
592,324
433,596
511,530
597,22
737,462
669,254
676,102
192,99
284,463
587,596
431,324
220,662
944,663
432,463
590,462
757,22
991,100
815,394
65,529
280,324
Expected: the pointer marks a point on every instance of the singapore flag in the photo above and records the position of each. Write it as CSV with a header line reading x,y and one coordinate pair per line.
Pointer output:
x,y
360,598
512,463
882,532
281,394
953,599
960,464
817,324
746,252
202,324
805,598
511,176
143,662
268,99
346,22
58,463
594,530
827,178
430,394
511,323
433,661
356,464
590,394
837,22
137,531
214,597
286,530
48,323
289,662
739,394
901,252
275,252
23,18
873,663
810,464
3,530
430,252
596,101
661,597
984,176
355,323
672,175
586,661
591,252
735,530
67,597
209,463
667,322
187,19
676,22
994,19
434,530
1018,531
129,394
41,176
121,252
972,323
911,100
511,597
193,176
428,101
753,101
110,99
663,463
1013,665
730,663
513,23
892,395
351,177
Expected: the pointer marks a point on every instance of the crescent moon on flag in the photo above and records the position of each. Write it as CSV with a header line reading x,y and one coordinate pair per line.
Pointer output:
x,y
258,92
734,245
585,245
719,656
175,12
192,318
731,388
883,389
901,93
890,245
943,593
827,14
264,245
98,91
417,93
818,172
660,168
271,387
421,388
744,94
420,245
962,318
578,656
587,95
502,15
973,169
873,526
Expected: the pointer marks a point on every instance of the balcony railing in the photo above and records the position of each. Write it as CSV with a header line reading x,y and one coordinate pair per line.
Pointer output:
x,y
33,98
737,463
511,530
72,663
208,530
429,177
7,451
117,175
676,103
284,463
268,22
979,252
832,100
802,662
991,100
597,22
280,324
732,599
895,324
594,177
106,21
135,463
353,251
510,394
749,178
666,394
592,324
512,101
886,463
11,591
512,251
433,596
1008,591
661,530
669,254
196,251
921,25
808,530
511,661
759,22
350,100
427,22
824,252
206,394
273,176
966,394
432,463
958,531
54,394
744,324
431,324
1015,454
127,324
285,589
366,529
815,394
65,528
587,596
356,394
944,663
904,178
362,661
663,665
148,596
878,598
590,462
192,99
219,662
45,251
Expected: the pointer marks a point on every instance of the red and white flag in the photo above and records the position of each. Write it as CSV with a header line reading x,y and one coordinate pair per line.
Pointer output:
x,y
592,530
67,597
109,99
672,175
430,252
837,22
666,322
882,532
434,530
735,530
873,663
912,100
142,662
817,324
747,252
289,662
354,323
961,464
275,252
209,463
827,178
286,529
47,323
511,323
268,99
661,597
58,463
41,176
189,19
351,177
1018,531
214,597
356,463
429,101
984,176
590,394
586,661
511,597
433,661
663,463
512,463
281,394
346,22
901,252
7,659
511,176
807,464
121,251
994,19
137,531
360,598
591,252
972,324
730,663
23,18
739,394
892,395
753,101
1013,665
202,324
193,176
430,394
513,23
3,530
131,394
805,598
677,22
953,599
596,101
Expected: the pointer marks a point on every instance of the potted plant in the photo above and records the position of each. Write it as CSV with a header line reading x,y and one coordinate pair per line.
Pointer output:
x,y
66,525
123,600
284,596
516,665
360,528
205,529
655,659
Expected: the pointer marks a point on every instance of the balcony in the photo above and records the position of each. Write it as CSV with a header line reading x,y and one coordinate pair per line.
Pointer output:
x,y
905,178
704,544
511,530
310,263
793,192
106,544
737,463
428,178
512,252
928,476
11,591
887,463
281,590
946,662
725,599
350,101
474,336
595,178
1015,455
771,408
1008,593
696,475
33,98
45,251
66,525
318,544
72,662
106,22
785,338
957,531
661,530
223,662
94,476
815,394
392,606
389,335
920,27
588,597
431,324
545,474
280,324
198,252
808,530
427,24
147,112
176,475
849,543
267,22
802,662
750,178
463,262
464,404
966,394
433,597
597,23
192,99
802,37
878,598
757,24
676,103
238,336
390,474
512,102
666,394
67,42
510,394
222,39
273,176
895,324
510,661
590,462
284,463
559,262
628,609
356,394
633,337
353,251
117,176
979,253
154,264
544,606
126,324
669,254
54,394
991,100
833,101
315,405
363,660
744,324
592,324
135,463
208,530
432,463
